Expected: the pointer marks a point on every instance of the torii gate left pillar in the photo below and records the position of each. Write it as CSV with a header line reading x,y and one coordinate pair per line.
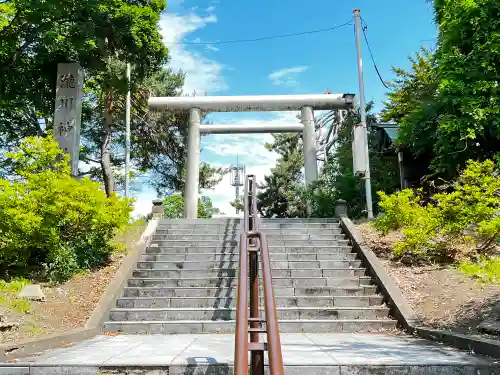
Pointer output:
x,y
306,104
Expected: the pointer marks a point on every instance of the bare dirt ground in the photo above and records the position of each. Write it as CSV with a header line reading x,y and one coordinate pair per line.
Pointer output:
x,y
441,296
69,305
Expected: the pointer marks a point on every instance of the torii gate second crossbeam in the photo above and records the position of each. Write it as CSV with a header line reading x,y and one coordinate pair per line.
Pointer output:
x,y
306,104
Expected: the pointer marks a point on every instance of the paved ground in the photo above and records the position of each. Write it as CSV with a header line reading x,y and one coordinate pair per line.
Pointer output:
x,y
329,352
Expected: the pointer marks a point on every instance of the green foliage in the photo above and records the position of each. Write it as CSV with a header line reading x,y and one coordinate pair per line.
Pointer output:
x,y
13,286
173,206
486,270
8,295
400,210
101,35
238,204
449,104
466,214
206,209
20,305
284,194
36,36
280,195
338,180
51,224
35,330
159,139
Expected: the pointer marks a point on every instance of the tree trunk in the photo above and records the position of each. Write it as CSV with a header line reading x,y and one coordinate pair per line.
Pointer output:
x,y
107,171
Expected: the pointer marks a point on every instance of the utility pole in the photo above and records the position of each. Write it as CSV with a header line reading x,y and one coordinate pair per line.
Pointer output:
x,y
368,185
127,136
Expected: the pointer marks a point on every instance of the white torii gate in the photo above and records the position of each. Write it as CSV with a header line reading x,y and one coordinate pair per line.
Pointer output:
x,y
306,104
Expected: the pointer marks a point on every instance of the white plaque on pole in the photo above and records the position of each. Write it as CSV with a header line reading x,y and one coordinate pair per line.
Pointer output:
x,y
358,150
68,111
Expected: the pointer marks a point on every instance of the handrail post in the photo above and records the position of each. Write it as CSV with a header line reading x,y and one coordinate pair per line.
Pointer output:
x,y
245,206
255,216
253,243
272,328
241,344
257,357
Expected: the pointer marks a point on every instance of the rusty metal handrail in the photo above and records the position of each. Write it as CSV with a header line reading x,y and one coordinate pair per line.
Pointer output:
x,y
253,243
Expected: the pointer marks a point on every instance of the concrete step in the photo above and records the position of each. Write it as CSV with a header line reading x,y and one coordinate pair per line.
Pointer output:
x,y
189,243
232,272
297,282
216,227
232,243
199,222
235,236
362,290
285,326
299,219
217,257
213,354
210,313
332,249
269,232
196,237
230,302
204,227
297,224
312,242
234,264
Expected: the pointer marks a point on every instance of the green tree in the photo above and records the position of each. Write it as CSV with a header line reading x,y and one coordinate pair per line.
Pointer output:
x,y
338,180
413,104
52,225
101,35
36,36
283,193
174,207
159,139
279,196
449,105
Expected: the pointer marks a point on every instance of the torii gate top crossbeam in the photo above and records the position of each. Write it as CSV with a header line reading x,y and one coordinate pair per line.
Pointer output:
x,y
251,128
253,103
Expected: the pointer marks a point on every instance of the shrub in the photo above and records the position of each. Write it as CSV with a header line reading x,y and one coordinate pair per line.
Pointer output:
x,y
487,269
469,213
401,209
50,223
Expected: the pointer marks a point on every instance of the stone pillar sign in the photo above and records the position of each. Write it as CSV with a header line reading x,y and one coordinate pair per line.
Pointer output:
x,y
68,111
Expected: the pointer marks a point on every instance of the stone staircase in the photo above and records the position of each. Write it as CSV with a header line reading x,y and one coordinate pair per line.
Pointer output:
x,y
186,282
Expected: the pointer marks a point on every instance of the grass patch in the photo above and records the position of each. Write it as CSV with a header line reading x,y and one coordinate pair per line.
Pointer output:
x,y
8,295
20,305
13,286
486,270
35,330
127,235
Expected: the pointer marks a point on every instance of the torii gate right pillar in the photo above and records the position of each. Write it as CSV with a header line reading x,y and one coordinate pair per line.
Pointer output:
x,y
310,150
309,144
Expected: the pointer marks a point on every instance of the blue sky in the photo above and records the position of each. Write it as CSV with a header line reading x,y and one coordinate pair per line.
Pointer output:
x,y
304,64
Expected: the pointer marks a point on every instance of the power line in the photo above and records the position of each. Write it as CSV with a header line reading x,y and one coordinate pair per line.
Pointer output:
x,y
371,54
268,37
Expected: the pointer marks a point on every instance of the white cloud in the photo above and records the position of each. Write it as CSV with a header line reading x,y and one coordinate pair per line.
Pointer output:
x,y
202,74
250,150
211,48
210,9
287,76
